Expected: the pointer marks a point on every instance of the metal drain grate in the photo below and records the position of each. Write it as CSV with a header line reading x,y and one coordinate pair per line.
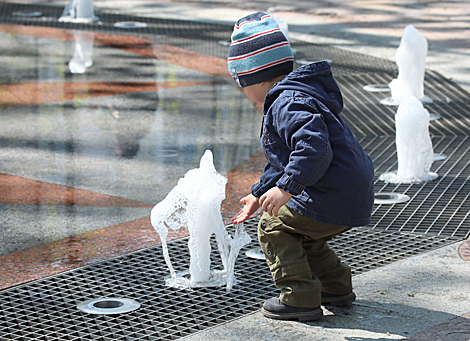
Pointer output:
x,y
438,207
47,309
342,61
366,116
195,36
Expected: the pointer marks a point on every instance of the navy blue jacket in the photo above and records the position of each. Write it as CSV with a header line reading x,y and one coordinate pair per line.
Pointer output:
x,y
312,153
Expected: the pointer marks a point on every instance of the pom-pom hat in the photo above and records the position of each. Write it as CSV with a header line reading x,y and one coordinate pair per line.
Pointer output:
x,y
259,50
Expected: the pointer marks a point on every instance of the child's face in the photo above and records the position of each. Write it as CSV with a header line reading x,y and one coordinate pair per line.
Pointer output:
x,y
255,92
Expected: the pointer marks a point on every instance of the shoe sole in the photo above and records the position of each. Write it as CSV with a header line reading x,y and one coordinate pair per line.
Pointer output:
x,y
304,317
340,301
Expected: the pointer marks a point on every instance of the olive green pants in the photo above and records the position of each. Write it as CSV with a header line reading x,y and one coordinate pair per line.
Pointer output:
x,y
301,263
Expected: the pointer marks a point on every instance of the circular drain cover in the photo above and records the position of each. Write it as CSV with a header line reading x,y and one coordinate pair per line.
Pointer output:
x,y
377,88
390,198
130,24
255,253
108,306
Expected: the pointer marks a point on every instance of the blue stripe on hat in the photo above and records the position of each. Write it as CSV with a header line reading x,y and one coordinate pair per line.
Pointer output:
x,y
258,60
258,16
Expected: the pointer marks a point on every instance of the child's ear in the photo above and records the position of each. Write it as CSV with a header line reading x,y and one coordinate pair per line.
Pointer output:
x,y
267,83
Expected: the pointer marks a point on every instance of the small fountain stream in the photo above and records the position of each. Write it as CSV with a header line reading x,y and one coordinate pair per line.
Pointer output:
x,y
83,52
414,146
195,204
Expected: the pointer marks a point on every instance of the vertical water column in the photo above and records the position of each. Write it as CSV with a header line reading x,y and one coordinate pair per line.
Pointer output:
x,y
411,60
83,52
414,146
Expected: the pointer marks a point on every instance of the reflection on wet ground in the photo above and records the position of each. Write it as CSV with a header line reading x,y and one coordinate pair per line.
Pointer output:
x,y
96,129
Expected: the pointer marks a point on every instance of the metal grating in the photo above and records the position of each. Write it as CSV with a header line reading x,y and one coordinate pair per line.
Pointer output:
x,y
46,309
342,61
196,36
438,207
366,116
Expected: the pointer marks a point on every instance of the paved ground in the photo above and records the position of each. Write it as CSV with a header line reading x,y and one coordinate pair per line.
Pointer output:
x,y
421,298
424,297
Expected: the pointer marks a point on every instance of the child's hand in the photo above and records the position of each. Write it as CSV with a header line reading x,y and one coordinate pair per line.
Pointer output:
x,y
251,206
273,200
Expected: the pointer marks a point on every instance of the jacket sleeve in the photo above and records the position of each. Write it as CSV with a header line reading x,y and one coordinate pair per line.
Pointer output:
x,y
267,180
305,133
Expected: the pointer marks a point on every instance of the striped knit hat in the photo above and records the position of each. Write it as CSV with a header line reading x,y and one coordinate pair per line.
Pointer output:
x,y
259,50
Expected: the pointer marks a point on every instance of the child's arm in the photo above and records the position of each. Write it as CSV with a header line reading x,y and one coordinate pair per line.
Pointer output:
x,y
273,200
251,206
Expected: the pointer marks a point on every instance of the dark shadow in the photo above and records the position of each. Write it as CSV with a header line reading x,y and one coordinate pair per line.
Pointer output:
x,y
369,316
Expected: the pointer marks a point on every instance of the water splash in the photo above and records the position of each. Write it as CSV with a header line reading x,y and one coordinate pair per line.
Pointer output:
x,y
195,203
83,52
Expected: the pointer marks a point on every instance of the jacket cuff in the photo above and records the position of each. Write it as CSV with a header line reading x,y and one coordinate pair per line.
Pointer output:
x,y
257,190
290,185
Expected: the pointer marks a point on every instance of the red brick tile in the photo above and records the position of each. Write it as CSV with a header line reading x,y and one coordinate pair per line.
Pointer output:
x,y
15,190
16,94
457,329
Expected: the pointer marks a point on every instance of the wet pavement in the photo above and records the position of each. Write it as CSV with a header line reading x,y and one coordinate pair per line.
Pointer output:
x,y
89,154
85,156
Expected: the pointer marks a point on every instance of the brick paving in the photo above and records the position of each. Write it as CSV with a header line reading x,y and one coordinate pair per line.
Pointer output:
x,y
464,251
457,329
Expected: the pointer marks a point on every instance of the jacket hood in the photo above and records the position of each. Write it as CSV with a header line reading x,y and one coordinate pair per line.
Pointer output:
x,y
316,80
